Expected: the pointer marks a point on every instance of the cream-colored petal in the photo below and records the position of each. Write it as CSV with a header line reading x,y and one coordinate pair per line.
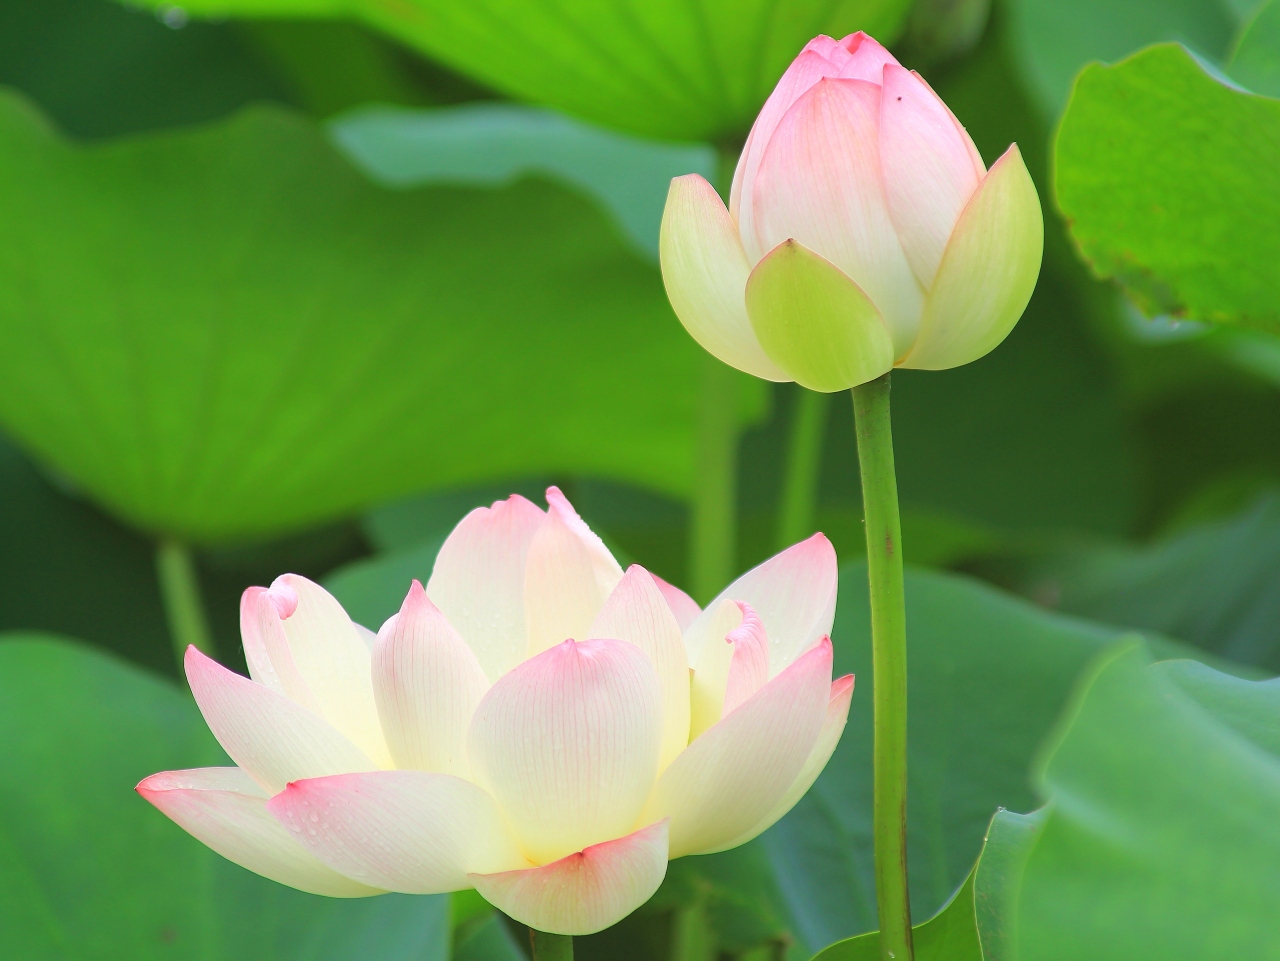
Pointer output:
x,y
569,575
988,270
478,581
273,738
587,891
407,831
749,669
710,658
568,744
705,272
638,613
225,809
427,683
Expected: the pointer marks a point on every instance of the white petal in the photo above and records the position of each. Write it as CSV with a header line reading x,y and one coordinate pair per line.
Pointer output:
x,y
735,774
705,272
478,581
820,184
794,593
568,576
406,831
223,808
637,612
587,891
929,173
267,734
568,743
427,683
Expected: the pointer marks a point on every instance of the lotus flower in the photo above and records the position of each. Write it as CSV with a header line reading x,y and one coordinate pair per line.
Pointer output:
x,y
863,231
535,724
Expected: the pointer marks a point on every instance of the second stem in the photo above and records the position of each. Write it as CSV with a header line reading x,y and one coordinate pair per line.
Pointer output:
x,y
889,664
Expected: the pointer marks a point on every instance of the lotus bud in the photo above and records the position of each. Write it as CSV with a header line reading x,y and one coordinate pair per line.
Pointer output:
x,y
863,232
523,726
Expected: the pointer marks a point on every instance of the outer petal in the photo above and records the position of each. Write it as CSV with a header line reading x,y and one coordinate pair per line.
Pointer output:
x,y
820,184
684,607
267,734
332,660
427,683
794,593
705,272
568,743
988,271
735,774
637,612
223,808
832,728
749,669
406,831
928,163
478,580
587,891
815,322
569,575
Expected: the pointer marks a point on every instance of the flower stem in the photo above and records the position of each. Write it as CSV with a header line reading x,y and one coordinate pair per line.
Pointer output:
x,y
551,947
889,664
712,536
180,592
804,458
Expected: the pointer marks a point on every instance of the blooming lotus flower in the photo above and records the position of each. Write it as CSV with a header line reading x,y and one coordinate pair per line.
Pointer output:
x,y
536,724
863,231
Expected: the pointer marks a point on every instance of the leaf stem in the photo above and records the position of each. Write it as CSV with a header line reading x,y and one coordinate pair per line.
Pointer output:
x,y
180,592
551,947
713,528
804,458
889,664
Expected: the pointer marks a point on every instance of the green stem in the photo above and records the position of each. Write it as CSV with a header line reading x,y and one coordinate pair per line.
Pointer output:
x,y
804,458
889,664
180,591
712,540
551,947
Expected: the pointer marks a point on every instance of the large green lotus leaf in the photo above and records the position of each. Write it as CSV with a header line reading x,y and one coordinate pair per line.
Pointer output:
x,y
1161,840
89,871
1051,40
1168,177
228,332
988,675
674,69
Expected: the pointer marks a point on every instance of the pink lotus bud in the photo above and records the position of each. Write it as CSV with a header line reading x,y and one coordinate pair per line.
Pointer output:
x,y
862,233
524,725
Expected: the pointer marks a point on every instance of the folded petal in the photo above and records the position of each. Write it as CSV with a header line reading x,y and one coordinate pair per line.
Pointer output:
x,y
832,728
928,164
406,831
568,743
710,658
326,664
225,809
584,892
569,575
478,580
749,669
794,593
684,607
988,270
637,612
705,272
427,683
816,323
820,183
734,775
273,738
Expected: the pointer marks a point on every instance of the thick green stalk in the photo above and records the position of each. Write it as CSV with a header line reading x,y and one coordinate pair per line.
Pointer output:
x,y
713,531
889,664
180,592
551,947
804,458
